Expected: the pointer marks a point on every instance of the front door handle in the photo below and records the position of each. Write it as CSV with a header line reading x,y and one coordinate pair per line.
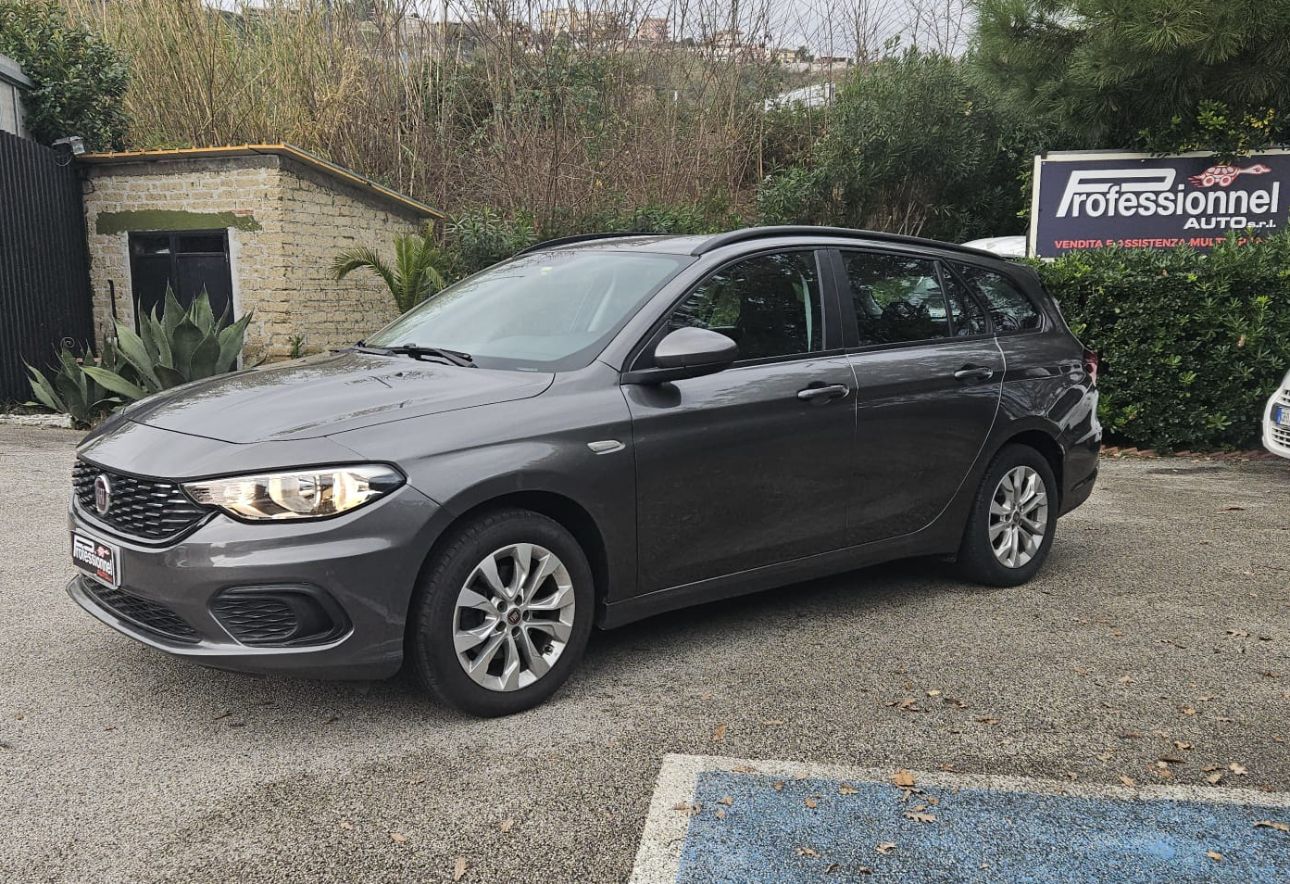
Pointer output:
x,y
823,393
974,373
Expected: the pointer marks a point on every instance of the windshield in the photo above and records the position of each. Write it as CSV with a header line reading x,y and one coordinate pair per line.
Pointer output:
x,y
549,311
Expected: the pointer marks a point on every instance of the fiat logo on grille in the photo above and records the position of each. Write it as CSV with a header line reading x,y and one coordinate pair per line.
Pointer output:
x,y
102,494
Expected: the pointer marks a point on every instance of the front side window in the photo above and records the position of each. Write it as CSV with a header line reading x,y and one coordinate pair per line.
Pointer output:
x,y
1009,308
547,311
769,305
898,298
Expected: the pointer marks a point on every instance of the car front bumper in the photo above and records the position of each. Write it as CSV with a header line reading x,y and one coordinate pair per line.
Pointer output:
x,y
1276,438
359,570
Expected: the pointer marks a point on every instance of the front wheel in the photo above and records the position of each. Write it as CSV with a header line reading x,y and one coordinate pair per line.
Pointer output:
x,y
502,614
1013,519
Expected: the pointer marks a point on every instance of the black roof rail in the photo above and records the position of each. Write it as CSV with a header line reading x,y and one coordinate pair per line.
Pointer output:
x,y
570,240
752,233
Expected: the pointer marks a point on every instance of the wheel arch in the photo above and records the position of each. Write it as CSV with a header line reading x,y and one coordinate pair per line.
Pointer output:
x,y
1045,442
560,508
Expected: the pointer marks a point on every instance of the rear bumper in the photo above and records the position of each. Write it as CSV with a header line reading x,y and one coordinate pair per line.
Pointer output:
x,y
359,570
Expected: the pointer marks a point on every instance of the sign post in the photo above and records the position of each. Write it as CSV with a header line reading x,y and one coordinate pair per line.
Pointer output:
x,y
1087,200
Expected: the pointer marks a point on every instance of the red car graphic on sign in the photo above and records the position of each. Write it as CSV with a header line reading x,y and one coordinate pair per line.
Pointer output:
x,y
1225,175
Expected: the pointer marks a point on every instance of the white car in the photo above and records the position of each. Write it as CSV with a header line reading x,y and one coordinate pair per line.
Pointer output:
x,y
1003,246
1276,420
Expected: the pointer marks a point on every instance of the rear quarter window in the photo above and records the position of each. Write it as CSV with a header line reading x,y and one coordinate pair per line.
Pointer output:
x,y
1010,309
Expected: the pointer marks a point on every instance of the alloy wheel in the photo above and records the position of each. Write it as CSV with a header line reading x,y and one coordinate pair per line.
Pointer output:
x,y
513,617
1018,517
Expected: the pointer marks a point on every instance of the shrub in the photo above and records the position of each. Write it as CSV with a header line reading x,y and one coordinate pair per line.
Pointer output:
x,y
414,276
70,390
80,79
914,144
1191,345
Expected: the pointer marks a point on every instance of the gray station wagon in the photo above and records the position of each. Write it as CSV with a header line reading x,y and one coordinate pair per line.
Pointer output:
x,y
596,430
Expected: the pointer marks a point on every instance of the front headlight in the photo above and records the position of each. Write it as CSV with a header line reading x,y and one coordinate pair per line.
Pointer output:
x,y
305,494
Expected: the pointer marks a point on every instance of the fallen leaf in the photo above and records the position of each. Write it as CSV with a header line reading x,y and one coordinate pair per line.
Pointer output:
x,y
1182,745
506,825
845,789
1187,710
398,838
908,704
1237,769
719,733
1272,824
886,847
810,802
778,785
1128,781
988,720
1238,633
955,702
919,817
933,693
933,801
1125,679
346,824
1215,778
225,714
727,801
806,851
459,868
416,781
744,768
721,814
1214,855
686,808
903,778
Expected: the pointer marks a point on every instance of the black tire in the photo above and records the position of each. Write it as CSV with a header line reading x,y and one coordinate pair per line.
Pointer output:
x,y
976,559
430,651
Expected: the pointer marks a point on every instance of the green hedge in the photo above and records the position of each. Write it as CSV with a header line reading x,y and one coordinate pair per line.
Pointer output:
x,y
1191,345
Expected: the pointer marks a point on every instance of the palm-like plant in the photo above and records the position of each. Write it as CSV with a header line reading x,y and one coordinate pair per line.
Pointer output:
x,y
412,277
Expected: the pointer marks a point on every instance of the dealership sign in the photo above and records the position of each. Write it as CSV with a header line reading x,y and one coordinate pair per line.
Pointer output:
x,y
1087,200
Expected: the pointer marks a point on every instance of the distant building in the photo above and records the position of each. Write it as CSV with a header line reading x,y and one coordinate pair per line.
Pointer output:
x,y
652,30
13,83
585,25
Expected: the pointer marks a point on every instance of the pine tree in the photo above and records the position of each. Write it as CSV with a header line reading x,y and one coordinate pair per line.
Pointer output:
x,y
1156,75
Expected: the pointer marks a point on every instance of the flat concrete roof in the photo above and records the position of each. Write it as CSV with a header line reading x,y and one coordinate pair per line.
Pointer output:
x,y
301,156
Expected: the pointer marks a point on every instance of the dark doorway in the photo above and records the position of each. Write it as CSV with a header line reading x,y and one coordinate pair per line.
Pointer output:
x,y
188,261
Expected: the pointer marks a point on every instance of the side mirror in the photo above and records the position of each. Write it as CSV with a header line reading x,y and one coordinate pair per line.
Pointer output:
x,y
686,353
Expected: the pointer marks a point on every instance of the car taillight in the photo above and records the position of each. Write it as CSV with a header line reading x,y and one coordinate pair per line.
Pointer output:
x,y
1090,365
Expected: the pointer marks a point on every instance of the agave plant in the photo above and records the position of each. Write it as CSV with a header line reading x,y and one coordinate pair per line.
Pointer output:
x,y
173,348
72,390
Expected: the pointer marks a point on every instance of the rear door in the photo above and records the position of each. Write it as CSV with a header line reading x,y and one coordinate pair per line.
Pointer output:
x,y
928,377
749,466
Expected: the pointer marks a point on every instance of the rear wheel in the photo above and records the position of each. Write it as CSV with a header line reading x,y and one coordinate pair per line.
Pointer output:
x,y
502,614
1014,516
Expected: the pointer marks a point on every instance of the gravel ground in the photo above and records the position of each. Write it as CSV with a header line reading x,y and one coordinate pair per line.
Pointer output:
x,y
1163,615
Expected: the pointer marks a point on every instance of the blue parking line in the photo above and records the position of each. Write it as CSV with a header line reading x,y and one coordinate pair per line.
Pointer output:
x,y
767,835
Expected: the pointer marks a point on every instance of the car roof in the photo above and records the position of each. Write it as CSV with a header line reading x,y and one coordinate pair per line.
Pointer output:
x,y
701,244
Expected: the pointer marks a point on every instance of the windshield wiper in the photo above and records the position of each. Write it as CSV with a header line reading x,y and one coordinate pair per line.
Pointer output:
x,y
416,351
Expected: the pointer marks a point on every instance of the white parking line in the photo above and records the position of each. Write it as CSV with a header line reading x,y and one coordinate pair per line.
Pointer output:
x,y
659,856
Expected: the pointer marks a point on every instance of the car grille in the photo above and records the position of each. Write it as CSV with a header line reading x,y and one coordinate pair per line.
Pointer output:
x,y
141,612
256,620
148,508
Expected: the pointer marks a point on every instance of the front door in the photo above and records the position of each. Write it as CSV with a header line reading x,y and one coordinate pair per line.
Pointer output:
x,y
188,262
747,467
928,377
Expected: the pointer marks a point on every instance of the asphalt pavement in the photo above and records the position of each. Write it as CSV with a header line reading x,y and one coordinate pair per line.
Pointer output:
x,y
1154,646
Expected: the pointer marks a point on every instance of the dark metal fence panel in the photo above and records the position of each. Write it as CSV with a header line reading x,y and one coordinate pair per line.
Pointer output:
x,y
44,261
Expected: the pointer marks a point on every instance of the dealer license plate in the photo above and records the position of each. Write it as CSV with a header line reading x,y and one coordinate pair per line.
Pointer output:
x,y
97,558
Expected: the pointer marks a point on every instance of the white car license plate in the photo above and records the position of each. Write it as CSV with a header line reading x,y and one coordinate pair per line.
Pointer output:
x,y
97,558
1281,416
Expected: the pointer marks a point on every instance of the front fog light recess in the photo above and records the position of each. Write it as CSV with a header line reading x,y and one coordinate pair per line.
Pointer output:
x,y
304,494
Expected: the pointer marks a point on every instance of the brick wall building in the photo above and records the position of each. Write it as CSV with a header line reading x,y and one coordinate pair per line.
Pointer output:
x,y
256,226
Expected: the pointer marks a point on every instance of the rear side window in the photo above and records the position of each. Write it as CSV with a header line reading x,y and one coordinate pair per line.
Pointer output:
x,y
769,304
897,298
1009,308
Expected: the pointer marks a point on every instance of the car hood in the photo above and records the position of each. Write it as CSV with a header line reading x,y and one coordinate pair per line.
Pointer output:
x,y
327,394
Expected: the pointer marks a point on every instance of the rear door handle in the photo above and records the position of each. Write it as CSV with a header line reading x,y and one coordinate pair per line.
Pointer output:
x,y
974,373
823,393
